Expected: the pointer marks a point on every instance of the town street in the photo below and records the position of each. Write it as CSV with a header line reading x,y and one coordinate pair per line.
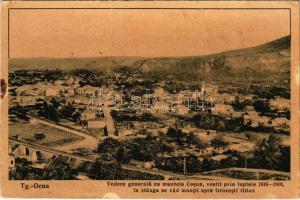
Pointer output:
x,y
109,122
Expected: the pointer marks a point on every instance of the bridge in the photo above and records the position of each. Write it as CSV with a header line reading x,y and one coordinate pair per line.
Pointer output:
x,y
37,153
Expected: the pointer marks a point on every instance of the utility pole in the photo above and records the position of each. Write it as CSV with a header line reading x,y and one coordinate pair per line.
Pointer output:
x,y
184,165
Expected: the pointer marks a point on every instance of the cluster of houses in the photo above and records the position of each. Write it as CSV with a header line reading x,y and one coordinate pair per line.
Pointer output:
x,y
220,104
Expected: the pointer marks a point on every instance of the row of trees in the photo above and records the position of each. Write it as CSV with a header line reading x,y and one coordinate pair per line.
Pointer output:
x,y
105,168
268,153
148,149
208,121
58,169
55,111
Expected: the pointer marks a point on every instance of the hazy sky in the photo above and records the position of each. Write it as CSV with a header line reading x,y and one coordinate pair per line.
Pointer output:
x,y
89,33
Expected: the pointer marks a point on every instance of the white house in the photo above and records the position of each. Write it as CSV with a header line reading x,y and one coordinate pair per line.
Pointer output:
x,y
280,103
147,165
86,90
281,122
83,100
26,100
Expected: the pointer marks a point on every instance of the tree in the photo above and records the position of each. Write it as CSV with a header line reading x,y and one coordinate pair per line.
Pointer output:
x,y
261,106
24,171
192,138
174,164
164,147
285,159
108,145
39,136
207,121
201,145
105,170
54,102
176,134
67,111
268,153
246,155
122,155
59,169
145,149
219,141
237,105
53,114
76,117
251,137
193,164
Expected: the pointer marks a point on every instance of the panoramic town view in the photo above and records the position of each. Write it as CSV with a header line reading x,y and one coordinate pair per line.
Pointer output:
x,y
149,94
218,116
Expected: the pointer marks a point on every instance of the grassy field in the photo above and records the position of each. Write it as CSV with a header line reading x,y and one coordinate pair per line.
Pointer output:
x,y
54,137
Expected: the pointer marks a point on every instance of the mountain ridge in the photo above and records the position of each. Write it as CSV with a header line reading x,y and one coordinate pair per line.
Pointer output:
x,y
272,56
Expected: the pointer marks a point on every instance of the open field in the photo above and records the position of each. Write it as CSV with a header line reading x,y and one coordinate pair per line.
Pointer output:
x,y
54,137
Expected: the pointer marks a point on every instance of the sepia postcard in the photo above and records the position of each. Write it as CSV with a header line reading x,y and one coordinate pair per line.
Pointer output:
x,y
150,99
